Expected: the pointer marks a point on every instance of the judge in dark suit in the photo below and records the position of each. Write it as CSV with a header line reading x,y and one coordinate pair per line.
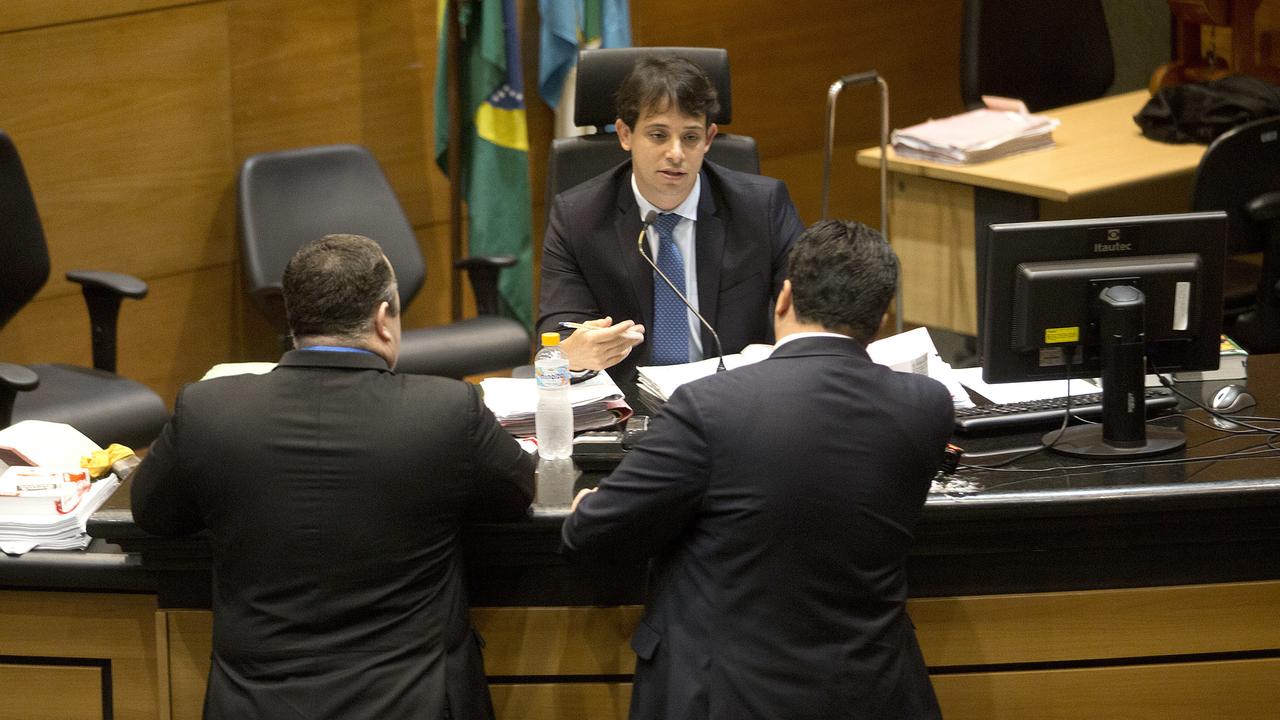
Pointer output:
x,y
778,501
729,236
333,491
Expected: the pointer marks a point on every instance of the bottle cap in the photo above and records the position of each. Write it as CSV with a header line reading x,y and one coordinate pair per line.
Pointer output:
x,y
550,339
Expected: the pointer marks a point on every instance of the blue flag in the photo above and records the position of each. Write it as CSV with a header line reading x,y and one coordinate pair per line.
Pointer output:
x,y
568,25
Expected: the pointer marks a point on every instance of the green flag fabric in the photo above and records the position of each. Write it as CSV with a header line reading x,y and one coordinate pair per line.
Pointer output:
x,y
494,141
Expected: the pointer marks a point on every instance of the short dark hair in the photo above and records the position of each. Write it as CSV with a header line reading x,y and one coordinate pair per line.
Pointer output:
x,y
333,286
843,276
655,82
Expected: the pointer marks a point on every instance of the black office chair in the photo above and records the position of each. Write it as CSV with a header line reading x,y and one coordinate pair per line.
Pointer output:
x,y
290,197
1048,54
1240,173
104,406
600,72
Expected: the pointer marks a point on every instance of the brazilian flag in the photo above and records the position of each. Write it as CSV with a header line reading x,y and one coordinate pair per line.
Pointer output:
x,y
495,141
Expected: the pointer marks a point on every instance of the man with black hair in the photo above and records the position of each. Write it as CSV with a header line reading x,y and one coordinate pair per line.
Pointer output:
x,y
778,502
721,234
334,491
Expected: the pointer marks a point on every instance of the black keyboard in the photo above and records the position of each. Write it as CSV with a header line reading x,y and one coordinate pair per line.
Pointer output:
x,y
1011,416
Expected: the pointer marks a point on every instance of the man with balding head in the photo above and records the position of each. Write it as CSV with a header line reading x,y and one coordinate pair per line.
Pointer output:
x,y
333,490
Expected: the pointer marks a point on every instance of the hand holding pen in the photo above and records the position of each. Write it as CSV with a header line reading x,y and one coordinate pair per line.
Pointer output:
x,y
600,344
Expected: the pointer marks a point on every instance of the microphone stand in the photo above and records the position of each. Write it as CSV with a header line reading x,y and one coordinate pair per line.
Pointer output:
x,y
864,78
648,220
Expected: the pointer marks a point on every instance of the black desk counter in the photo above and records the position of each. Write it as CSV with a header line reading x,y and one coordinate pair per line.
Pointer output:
x,y
1045,523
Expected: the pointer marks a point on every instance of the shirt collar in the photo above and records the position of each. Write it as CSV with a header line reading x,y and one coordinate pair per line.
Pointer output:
x,y
802,335
337,348
687,209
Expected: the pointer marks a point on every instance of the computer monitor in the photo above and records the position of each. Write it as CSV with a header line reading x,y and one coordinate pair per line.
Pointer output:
x,y
1107,297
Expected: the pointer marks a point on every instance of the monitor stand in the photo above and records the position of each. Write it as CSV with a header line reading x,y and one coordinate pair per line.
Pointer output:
x,y
1123,433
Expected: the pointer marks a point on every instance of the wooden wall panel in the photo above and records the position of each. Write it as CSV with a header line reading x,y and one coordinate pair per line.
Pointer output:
x,y
1066,626
561,701
124,130
1240,690
187,639
27,14
94,626
50,692
557,640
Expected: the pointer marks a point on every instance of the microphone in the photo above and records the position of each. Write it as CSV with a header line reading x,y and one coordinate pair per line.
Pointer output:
x,y
648,220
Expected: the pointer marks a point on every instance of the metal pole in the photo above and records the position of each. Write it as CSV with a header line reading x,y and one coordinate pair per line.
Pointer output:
x,y
833,92
454,157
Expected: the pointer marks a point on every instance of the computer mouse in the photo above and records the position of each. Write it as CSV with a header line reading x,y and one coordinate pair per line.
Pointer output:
x,y
1232,399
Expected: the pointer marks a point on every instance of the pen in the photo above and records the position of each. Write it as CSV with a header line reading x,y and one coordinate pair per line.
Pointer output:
x,y
629,334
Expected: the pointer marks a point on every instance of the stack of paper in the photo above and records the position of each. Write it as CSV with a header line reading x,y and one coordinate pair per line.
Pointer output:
x,y
59,523
53,530
597,403
975,136
657,382
1016,392
912,351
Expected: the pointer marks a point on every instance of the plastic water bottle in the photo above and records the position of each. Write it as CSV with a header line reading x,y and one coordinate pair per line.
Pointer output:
x,y
554,483
554,418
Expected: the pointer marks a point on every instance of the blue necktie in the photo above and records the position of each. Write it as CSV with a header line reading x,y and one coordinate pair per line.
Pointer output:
x,y
670,315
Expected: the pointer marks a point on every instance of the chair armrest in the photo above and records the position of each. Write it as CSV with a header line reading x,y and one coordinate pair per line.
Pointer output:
x,y
1265,208
103,292
14,379
482,271
115,283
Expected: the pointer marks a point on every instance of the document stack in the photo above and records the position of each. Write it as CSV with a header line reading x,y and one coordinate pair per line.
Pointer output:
x,y
996,131
656,382
45,497
911,351
597,403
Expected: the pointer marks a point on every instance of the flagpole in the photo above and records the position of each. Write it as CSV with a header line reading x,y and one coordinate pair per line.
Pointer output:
x,y
454,159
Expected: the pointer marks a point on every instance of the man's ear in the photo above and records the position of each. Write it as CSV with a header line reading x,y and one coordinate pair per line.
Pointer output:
x,y
783,304
712,129
381,324
624,134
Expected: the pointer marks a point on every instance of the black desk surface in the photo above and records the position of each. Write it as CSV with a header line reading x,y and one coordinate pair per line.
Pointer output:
x,y
1044,523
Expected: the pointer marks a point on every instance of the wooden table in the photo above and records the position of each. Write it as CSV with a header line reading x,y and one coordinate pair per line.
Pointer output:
x,y
1101,166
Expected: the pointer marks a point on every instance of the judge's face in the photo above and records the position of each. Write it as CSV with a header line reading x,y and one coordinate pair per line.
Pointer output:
x,y
666,149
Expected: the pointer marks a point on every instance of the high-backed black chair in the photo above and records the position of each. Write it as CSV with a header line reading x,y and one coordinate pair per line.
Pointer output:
x,y
1240,173
97,402
1049,54
600,72
290,197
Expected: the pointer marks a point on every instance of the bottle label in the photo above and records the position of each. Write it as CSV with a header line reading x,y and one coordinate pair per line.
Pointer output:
x,y
552,376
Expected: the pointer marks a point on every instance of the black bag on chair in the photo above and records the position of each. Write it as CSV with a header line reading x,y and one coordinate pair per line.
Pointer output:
x,y
1200,112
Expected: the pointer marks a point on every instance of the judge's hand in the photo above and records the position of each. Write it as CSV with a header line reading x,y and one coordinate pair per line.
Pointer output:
x,y
603,345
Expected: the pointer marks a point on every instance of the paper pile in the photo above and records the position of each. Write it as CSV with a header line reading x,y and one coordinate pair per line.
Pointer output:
x,y
911,351
52,530
597,403
28,449
657,382
996,131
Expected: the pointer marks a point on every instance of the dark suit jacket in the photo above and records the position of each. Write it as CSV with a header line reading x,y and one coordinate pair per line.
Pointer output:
x,y
779,501
591,267
333,491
